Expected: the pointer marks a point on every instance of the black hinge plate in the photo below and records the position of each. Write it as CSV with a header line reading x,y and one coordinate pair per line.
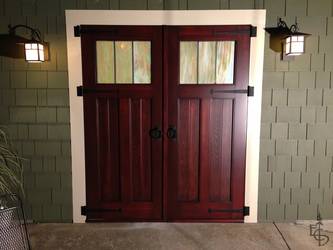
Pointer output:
x,y
84,210
77,31
253,31
246,211
250,91
79,90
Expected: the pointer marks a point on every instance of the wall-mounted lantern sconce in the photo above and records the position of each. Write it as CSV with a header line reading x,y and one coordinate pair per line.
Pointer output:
x,y
34,49
287,40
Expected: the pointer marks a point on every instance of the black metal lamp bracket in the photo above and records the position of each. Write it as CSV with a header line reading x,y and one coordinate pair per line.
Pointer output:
x,y
35,33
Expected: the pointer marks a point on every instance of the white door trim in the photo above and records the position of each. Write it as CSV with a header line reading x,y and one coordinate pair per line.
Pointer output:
x,y
198,17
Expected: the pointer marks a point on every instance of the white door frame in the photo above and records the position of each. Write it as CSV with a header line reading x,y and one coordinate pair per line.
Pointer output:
x,y
198,17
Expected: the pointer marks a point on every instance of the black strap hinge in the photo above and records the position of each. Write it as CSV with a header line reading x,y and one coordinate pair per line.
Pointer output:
x,y
85,210
250,91
245,210
77,31
253,31
80,90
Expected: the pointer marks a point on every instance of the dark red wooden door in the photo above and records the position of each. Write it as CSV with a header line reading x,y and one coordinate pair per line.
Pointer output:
x,y
206,115
123,161
192,167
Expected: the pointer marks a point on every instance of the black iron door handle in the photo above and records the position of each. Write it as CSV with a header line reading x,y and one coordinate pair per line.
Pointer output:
x,y
172,132
155,133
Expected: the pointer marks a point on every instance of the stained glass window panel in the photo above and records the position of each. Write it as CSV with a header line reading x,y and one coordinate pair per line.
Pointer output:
x,y
142,62
124,72
225,62
188,62
207,59
105,61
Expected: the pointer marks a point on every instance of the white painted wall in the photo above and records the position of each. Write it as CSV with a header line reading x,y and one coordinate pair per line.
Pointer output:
x,y
198,17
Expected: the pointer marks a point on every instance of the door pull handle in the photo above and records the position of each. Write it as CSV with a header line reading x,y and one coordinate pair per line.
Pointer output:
x,y
155,133
172,132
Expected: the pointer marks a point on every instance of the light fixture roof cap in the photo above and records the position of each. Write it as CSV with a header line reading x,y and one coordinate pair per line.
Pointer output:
x,y
13,38
284,31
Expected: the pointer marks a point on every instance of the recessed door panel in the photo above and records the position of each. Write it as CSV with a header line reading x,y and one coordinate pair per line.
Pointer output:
x,y
220,144
188,157
107,148
141,154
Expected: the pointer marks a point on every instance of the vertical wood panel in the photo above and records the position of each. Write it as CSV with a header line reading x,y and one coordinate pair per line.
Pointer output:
x,y
215,149
101,124
125,127
141,150
227,131
114,181
220,149
205,107
107,146
188,149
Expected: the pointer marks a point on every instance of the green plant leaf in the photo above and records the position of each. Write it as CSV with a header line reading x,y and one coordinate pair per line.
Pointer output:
x,y
11,167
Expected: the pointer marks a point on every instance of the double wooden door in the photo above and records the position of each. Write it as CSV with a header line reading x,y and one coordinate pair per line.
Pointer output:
x,y
165,110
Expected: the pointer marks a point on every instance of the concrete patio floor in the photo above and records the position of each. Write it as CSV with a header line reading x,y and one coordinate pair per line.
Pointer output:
x,y
174,236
